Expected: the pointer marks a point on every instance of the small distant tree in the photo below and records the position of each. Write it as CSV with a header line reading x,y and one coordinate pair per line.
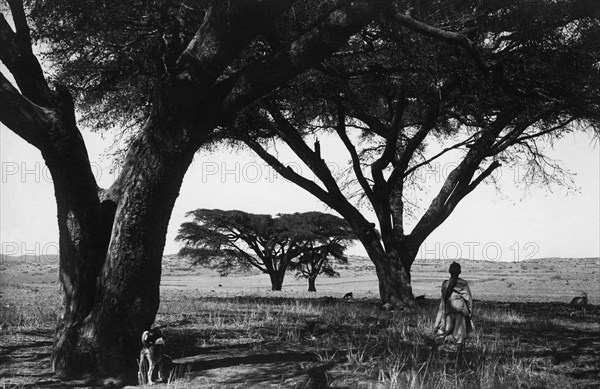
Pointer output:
x,y
330,236
229,240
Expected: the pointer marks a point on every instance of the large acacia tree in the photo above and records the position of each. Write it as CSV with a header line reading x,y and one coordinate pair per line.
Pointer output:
x,y
235,239
171,72
487,80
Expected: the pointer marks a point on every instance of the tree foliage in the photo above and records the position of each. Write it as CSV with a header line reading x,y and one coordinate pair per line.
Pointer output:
x,y
329,238
487,80
234,239
173,72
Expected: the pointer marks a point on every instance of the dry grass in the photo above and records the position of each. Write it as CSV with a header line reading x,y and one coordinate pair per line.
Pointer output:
x,y
232,338
358,345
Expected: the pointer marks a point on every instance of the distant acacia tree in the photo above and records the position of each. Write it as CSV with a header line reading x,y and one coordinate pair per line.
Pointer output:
x,y
235,239
330,236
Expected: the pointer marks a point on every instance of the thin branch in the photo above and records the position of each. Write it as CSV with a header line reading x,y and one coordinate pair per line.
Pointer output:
x,y
340,129
414,142
438,155
545,132
442,35
485,174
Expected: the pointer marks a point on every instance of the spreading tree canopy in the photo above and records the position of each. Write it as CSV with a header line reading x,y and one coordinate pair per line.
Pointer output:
x,y
235,239
330,236
490,77
171,72
489,81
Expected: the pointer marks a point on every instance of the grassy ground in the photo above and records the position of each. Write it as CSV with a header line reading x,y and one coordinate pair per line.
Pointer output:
x,y
249,337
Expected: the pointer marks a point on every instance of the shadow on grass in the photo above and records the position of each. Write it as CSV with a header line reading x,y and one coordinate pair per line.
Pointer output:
x,y
544,334
548,332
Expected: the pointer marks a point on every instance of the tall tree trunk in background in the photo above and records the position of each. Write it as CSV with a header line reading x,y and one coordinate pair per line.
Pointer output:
x,y
311,284
277,279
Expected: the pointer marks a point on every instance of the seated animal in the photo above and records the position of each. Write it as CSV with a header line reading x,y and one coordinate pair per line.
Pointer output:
x,y
579,303
153,351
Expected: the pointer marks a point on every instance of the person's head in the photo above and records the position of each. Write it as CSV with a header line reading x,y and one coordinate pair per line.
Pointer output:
x,y
454,269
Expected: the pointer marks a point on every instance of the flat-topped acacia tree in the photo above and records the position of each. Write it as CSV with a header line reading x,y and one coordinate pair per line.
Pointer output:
x,y
228,240
488,81
171,72
330,237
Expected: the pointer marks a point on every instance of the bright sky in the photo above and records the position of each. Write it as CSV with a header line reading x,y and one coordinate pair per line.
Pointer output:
x,y
511,226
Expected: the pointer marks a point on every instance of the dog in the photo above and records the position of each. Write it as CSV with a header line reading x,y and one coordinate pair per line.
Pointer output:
x,y
348,296
579,303
153,350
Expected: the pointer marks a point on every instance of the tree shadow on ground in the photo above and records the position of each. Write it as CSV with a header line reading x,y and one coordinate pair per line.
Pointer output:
x,y
543,334
549,335
247,363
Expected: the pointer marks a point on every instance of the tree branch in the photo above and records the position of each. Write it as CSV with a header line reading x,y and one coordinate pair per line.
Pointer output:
x,y
438,155
288,173
485,174
340,129
442,35
228,27
312,159
29,121
413,143
18,57
22,29
458,183
301,54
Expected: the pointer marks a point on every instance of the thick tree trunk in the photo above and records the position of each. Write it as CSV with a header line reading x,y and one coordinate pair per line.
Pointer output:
x,y
311,284
111,242
392,273
277,280
394,281
102,337
82,242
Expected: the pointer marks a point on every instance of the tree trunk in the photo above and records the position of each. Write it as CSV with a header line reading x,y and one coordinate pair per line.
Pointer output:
x,y
392,273
394,281
103,337
311,284
277,280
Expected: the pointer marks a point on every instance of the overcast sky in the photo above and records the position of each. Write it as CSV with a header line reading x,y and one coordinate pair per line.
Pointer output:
x,y
512,225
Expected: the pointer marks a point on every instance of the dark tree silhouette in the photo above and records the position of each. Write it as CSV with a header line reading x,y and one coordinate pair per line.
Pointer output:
x,y
488,81
230,240
329,238
171,72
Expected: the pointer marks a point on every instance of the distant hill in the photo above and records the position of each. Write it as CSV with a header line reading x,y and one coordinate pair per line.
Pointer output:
x,y
28,258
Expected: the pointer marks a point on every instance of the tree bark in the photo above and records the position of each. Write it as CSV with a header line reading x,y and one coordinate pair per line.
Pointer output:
x,y
392,263
102,338
394,280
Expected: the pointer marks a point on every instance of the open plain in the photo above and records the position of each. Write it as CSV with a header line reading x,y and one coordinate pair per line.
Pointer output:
x,y
233,332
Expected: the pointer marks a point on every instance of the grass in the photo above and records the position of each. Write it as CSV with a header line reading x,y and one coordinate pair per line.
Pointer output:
x,y
339,344
366,344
